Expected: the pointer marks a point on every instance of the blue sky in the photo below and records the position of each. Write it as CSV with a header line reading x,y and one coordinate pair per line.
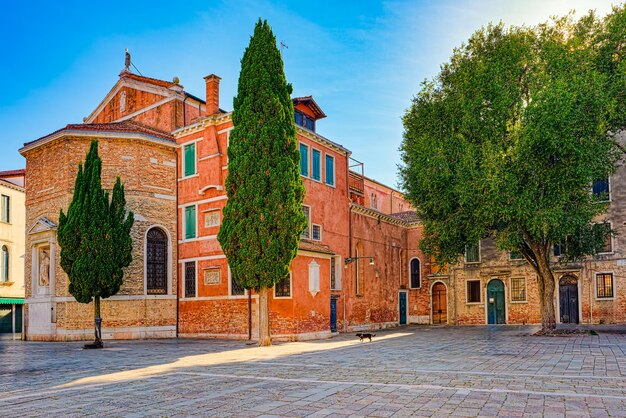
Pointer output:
x,y
362,61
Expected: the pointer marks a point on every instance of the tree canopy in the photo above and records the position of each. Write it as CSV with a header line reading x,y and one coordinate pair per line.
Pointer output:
x,y
263,216
506,141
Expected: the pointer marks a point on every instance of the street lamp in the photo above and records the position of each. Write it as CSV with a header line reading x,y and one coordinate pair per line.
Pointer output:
x,y
353,259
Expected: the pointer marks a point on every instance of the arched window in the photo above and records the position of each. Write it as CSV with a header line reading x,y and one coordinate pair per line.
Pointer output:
x,y
5,263
156,262
416,274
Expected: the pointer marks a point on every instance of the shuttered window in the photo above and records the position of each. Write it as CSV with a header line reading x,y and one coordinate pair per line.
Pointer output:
x,y
330,170
189,161
190,222
304,160
316,173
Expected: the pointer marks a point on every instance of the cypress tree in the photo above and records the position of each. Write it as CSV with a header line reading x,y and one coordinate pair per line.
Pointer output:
x,y
95,238
263,217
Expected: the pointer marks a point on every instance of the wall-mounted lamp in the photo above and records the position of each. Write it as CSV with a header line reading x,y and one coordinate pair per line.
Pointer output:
x,y
353,259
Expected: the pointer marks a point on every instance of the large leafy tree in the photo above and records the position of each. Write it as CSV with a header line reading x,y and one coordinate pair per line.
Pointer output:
x,y
505,142
95,238
263,217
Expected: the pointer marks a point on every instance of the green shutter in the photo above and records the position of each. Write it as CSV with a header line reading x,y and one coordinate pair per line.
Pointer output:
x,y
330,170
304,160
317,165
190,159
190,222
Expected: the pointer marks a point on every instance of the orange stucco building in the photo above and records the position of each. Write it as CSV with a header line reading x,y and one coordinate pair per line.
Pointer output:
x,y
358,265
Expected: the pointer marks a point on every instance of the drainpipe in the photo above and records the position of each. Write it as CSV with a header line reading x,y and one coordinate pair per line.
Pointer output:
x,y
249,314
454,291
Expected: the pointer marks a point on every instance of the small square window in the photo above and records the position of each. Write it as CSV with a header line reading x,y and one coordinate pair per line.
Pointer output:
x,y
473,291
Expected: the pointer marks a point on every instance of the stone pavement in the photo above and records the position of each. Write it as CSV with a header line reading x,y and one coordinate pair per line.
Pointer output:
x,y
410,371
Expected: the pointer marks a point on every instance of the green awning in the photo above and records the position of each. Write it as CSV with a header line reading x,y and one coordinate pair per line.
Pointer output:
x,y
11,301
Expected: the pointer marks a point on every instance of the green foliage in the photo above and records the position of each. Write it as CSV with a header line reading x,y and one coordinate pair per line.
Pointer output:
x,y
263,216
507,139
94,236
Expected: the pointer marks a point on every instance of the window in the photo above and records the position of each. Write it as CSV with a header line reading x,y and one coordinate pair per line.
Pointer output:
x,y
518,289
306,234
304,160
473,291
317,232
298,118
156,262
472,253
314,277
607,247
316,169
5,209
604,285
282,289
330,170
415,274
190,279
558,249
515,255
335,273
309,124
189,160
235,289
5,264
601,190
190,222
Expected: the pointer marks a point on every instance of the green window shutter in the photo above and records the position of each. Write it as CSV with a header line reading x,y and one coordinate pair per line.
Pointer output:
x,y
304,160
317,165
190,159
190,222
330,170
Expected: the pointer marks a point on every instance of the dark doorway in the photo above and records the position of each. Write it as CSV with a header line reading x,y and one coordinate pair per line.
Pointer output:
x,y
568,299
440,304
333,314
496,313
402,298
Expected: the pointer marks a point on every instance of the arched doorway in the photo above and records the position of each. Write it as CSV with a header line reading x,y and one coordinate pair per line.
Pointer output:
x,y
496,308
568,299
440,304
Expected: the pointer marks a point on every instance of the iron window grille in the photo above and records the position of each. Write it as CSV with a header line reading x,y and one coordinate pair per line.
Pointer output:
x,y
156,262
190,279
604,285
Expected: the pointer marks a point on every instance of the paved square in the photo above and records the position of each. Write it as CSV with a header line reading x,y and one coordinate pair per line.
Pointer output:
x,y
412,371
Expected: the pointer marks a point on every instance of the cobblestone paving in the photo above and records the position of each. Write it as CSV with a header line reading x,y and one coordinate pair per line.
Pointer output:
x,y
413,371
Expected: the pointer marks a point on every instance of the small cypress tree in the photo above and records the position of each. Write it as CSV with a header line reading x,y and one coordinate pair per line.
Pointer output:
x,y
263,217
95,238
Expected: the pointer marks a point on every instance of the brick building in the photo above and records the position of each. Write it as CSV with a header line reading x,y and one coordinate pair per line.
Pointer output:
x,y
358,265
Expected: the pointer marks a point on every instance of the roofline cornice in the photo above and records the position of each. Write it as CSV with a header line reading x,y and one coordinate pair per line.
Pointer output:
x,y
372,213
13,186
77,133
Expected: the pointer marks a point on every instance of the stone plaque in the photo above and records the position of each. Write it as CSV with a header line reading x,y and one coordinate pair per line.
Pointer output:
x,y
212,219
212,276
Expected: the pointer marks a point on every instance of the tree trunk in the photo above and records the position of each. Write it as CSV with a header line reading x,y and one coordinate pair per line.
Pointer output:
x,y
264,318
97,320
546,293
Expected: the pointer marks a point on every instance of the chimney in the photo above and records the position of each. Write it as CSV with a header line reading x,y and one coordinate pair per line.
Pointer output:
x,y
212,94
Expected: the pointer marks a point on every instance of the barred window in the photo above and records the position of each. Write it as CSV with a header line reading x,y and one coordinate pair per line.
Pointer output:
x,y
235,289
518,289
282,289
190,279
604,285
333,274
473,291
156,262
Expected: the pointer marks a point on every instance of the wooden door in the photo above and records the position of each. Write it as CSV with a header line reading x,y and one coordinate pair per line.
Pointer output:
x,y
496,308
568,300
440,304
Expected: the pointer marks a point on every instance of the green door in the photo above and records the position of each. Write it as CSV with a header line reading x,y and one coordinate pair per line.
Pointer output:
x,y
495,302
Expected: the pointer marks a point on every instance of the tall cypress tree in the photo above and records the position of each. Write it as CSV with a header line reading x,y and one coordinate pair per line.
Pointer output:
x,y
95,238
263,217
